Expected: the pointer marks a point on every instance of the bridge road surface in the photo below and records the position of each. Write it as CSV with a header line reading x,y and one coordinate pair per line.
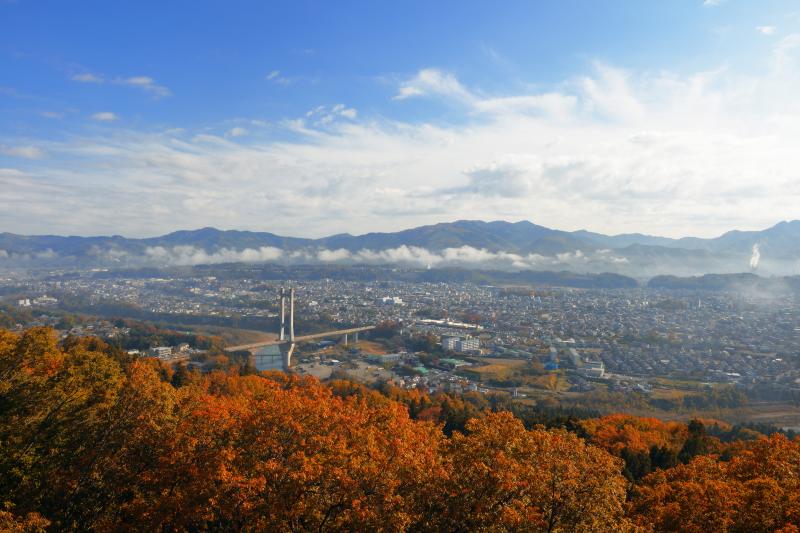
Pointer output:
x,y
302,338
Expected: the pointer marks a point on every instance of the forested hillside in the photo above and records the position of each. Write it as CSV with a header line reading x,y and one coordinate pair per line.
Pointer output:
x,y
93,440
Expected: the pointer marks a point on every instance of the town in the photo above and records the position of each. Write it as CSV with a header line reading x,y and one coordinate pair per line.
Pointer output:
x,y
531,342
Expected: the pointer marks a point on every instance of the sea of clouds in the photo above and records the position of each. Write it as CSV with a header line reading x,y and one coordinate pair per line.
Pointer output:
x,y
465,256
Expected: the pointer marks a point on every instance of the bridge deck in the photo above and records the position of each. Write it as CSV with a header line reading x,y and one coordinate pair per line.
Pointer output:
x,y
302,338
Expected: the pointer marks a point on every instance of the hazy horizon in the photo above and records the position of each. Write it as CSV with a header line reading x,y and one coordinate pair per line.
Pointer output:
x,y
394,230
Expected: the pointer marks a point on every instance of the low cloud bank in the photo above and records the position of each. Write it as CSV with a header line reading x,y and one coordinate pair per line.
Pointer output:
x,y
34,256
588,261
190,255
402,255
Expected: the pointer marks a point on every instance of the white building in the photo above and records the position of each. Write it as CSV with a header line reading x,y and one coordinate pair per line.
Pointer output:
x,y
162,352
461,344
45,301
594,369
468,344
449,343
386,358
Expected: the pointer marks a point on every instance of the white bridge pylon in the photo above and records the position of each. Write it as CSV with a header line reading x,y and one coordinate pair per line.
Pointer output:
x,y
287,346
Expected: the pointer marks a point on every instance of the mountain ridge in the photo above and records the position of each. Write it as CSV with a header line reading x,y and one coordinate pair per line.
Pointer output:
x,y
521,245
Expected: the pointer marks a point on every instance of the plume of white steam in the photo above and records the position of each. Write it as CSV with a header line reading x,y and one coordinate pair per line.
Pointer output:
x,y
755,258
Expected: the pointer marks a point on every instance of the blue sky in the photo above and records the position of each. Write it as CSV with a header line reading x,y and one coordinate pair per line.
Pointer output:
x,y
313,118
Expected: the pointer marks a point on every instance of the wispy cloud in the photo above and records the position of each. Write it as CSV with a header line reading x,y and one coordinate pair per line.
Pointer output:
x,y
105,116
765,30
275,76
237,131
25,152
145,83
324,115
609,148
431,81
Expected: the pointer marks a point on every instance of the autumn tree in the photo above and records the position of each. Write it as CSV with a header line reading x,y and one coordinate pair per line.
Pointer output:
x,y
93,440
504,477
757,490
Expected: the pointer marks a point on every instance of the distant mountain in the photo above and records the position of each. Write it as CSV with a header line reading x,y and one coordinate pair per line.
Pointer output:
x,y
472,244
212,239
497,236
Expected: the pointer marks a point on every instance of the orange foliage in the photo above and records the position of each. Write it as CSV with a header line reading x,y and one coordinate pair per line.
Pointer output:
x,y
91,441
757,490
619,431
504,477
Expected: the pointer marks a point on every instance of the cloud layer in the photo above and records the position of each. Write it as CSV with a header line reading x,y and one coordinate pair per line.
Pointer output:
x,y
144,83
413,256
613,150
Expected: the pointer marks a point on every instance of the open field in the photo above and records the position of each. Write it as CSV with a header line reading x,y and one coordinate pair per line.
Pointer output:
x,y
669,394
552,381
493,368
369,347
234,336
318,370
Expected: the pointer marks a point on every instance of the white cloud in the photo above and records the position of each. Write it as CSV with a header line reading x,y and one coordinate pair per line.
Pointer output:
x,y
105,116
413,256
324,116
609,94
190,255
510,176
610,149
237,131
276,77
712,3
554,104
765,30
607,91
431,81
26,152
145,83
344,111
461,256
334,255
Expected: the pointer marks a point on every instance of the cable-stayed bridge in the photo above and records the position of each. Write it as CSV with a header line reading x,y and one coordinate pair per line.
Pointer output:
x,y
285,344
